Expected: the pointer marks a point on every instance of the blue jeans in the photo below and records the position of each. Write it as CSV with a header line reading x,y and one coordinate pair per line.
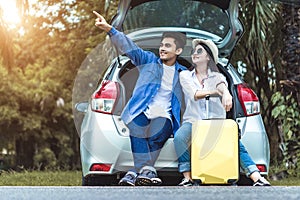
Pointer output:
x,y
147,138
182,142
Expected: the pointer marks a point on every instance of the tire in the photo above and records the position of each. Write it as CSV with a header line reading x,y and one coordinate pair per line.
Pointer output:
x,y
99,180
244,181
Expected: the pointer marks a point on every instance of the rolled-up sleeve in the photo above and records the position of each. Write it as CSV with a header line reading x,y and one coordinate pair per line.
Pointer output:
x,y
220,78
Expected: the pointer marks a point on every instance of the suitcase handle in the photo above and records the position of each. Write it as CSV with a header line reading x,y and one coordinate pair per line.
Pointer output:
x,y
207,105
207,97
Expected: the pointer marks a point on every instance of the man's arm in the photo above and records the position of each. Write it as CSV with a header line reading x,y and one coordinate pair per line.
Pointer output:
x,y
125,45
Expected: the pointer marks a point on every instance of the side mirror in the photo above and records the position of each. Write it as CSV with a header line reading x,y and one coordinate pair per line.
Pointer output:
x,y
82,107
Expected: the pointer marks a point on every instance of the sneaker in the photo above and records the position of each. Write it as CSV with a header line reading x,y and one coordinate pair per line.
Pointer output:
x,y
186,183
128,179
261,182
147,177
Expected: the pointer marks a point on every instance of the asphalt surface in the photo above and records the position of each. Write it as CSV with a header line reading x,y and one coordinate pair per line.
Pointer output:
x,y
142,193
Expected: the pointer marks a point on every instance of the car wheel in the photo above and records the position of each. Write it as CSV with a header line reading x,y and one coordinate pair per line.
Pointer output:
x,y
98,180
171,179
245,181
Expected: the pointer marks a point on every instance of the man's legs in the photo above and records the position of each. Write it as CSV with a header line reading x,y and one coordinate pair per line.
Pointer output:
x,y
159,131
139,147
139,141
147,137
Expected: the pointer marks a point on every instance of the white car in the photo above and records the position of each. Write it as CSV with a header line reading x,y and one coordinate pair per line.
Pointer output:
x,y
104,142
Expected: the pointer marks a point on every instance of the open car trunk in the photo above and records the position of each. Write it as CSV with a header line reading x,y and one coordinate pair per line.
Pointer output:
x,y
210,19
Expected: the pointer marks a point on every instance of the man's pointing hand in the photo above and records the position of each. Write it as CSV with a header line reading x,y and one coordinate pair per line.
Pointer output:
x,y
101,22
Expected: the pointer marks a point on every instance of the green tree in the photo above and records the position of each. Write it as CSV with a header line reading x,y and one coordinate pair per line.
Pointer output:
x,y
269,26
256,50
36,116
287,99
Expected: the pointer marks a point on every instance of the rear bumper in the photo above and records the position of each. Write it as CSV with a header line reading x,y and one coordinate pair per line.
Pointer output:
x,y
254,138
101,142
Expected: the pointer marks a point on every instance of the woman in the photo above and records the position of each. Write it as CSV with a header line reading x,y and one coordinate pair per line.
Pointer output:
x,y
204,80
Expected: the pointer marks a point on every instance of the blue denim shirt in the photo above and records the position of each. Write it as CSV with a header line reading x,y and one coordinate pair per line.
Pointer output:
x,y
149,80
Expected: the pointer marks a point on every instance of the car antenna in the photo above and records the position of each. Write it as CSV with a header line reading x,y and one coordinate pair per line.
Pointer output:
x,y
229,57
118,56
119,61
240,34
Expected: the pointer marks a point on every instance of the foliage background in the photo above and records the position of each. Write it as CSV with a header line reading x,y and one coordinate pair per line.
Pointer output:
x,y
40,65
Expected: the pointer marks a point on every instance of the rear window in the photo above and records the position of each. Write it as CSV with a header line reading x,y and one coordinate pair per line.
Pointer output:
x,y
177,13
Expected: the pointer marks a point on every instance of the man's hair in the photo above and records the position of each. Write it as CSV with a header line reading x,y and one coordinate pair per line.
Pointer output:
x,y
180,38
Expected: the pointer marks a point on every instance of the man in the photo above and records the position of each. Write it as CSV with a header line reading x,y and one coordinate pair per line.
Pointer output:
x,y
153,112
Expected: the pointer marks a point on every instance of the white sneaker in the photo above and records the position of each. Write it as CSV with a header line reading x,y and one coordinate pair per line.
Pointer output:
x,y
128,179
147,177
261,182
186,183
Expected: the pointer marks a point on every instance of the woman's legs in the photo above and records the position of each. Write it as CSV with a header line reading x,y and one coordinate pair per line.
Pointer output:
x,y
248,165
182,142
246,161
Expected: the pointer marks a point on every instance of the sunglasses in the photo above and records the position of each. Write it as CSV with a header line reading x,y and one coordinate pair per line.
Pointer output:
x,y
199,51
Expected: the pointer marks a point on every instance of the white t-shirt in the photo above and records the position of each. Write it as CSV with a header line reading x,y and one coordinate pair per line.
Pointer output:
x,y
160,106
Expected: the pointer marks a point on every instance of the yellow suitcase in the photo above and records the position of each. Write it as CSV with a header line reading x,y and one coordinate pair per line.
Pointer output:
x,y
215,151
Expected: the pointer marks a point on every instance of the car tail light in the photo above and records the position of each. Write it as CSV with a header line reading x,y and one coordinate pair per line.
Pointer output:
x,y
100,167
249,100
104,99
262,168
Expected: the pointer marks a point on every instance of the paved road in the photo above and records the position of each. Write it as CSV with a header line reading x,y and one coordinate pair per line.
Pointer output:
x,y
145,193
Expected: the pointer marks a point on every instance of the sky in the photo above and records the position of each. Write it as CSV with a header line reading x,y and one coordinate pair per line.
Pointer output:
x,y
10,11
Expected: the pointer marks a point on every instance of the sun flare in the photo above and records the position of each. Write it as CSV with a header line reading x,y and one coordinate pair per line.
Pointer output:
x,y
10,13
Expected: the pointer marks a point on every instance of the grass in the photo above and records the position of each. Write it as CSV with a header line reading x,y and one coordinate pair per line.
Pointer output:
x,y
291,181
40,178
73,178
287,177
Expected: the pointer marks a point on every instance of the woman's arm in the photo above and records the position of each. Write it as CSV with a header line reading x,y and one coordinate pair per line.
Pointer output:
x,y
200,94
190,89
226,96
